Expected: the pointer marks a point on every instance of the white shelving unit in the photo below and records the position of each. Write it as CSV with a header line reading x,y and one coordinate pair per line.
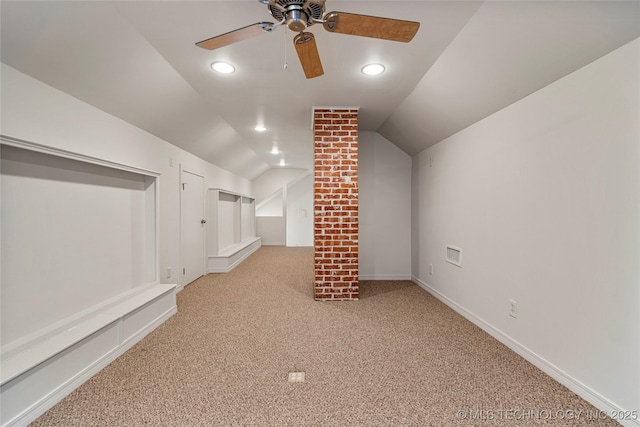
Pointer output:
x,y
231,232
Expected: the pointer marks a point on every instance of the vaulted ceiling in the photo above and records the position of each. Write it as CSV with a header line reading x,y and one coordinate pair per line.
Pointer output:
x,y
137,60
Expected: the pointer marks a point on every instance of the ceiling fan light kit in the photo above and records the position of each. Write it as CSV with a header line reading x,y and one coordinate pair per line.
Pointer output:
x,y
298,15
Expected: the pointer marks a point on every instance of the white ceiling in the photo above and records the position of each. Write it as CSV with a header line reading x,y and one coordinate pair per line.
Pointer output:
x,y
137,60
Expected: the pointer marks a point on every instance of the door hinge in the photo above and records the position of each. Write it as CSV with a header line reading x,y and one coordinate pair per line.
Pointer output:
x,y
184,271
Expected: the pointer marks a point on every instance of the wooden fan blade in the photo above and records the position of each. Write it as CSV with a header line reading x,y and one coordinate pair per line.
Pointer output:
x,y
236,36
371,26
307,49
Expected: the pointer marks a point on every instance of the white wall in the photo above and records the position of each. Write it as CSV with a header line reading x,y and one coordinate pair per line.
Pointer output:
x,y
384,209
271,227
300,212
38,113
543,197
273,206
273,180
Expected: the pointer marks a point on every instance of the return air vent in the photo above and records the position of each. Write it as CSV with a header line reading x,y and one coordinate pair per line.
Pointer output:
x,y
454,255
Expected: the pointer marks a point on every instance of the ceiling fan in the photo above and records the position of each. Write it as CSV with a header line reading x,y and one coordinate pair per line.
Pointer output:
x,y
298,15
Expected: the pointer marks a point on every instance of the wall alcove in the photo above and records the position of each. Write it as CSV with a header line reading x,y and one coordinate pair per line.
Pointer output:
x,y
231,231
79,271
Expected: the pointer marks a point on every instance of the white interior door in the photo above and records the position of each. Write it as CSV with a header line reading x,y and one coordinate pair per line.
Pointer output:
x,y
192,226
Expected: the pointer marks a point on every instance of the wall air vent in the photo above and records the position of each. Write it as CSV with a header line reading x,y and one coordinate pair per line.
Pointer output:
x,y
454,255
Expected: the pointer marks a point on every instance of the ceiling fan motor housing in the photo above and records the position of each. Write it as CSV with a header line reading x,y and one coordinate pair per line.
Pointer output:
x,y
296,14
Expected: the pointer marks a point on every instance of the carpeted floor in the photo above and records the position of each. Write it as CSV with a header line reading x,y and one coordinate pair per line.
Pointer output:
x,y
396,357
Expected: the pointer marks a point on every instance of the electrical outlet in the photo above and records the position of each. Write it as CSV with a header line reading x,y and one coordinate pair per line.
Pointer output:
x,y
431,269
168,272
513,309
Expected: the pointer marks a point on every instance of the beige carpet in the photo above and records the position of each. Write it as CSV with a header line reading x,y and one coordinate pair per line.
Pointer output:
x,y
397,357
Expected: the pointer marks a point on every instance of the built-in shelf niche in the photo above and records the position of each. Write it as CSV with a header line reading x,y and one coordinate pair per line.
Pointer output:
x,y
231,229
248,218
75,232
79,271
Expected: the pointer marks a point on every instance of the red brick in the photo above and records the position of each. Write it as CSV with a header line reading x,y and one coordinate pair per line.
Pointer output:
x,y
336,204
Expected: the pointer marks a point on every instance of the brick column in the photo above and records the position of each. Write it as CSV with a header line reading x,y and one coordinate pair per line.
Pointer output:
x,y
335,200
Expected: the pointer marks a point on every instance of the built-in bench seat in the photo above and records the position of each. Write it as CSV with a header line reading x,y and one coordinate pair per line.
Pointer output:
x,y
41,369
228,258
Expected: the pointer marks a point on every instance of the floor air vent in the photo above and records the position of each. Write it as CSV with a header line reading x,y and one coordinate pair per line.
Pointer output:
x,y
296,377
454,255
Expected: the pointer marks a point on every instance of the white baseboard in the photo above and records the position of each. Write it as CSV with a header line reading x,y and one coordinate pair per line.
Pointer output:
x,y
544,365
384,277
40,375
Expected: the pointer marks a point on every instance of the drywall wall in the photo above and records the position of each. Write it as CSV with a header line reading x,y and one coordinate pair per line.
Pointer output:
x,y
273,206
270,192
36,112
273,180
271,222
300,212
384,209
543,198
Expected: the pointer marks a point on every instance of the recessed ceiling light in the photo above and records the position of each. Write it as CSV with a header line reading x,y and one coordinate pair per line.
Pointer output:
x,y
373,69
223,67
282,163
275,150
259,128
